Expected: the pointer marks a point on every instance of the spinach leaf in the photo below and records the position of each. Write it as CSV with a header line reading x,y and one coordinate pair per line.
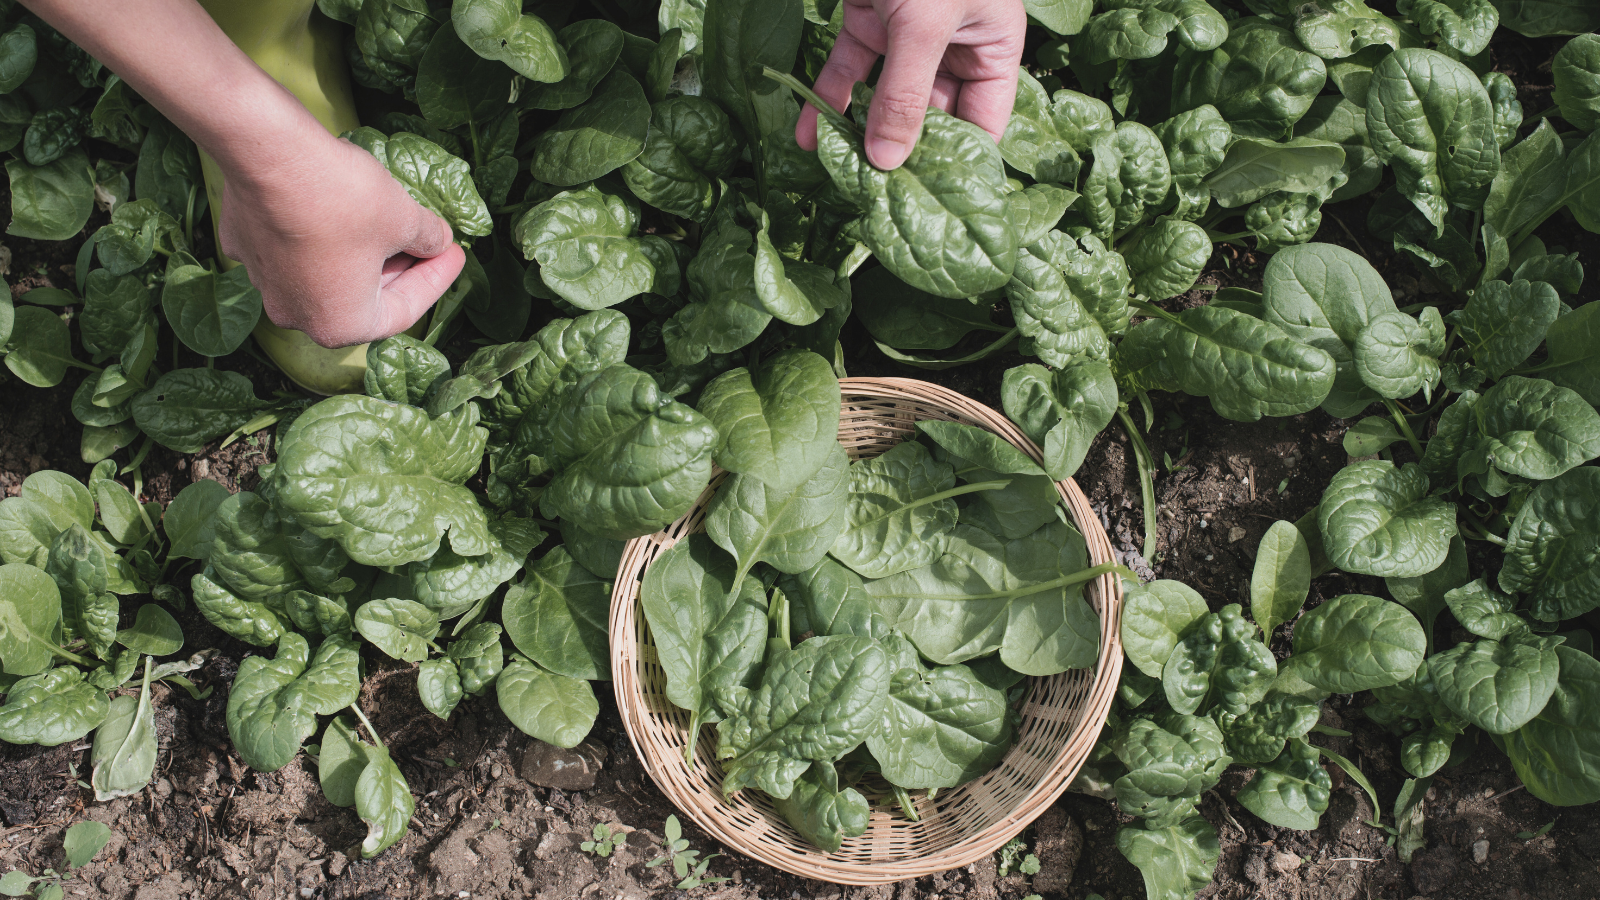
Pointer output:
x,y
822,813
1462,25
1167,257
1171,761
628,459
1247,367
1023,598
1553,546
817,701
1258,734
188,408
592,48
1292,791
570,349
341,761
942,727
41,348
1062,411
432,176
456,86
247,620
499,30
897,314
439,686
384,802
830,599
154,633
1537,429
1573,352
585,244
1431,120
710,632
1356,642
30,611
900,512
789,529
1537,18
77,564
1256,167
552,708
1576,72
401,628
1502,324
1498,686
1043,139
273,705
402,369
124,753
1378,520
1259,79
51,708
383,479
51,202
778,421
1175,860
1530,185
1557,755
1218,663
600,556
557,616
690,146
1197,143
114,310
1281,579
1155,616
1425,594
1397,356
601,136
1130,176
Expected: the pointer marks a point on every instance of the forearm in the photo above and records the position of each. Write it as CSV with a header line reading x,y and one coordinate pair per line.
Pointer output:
x,y
176,57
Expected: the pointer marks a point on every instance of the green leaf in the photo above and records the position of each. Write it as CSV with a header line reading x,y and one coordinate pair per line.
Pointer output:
x,y
552,708
248,620
1356,642
1023,598
979,447
600,556
439,686
628,459
51,708
1553,547
897,314
1502,324
1219,663
778,422
900,512
259,555
341,761
1249,368
384,802
571,349
124,752
30,611
1576,71
598,137
1291,792
820,812
456,86
709,632
1431,120
592,47
41,348
586,248
789,529
186,409
690,146
211,313
51,202
154,633
273,704
402,369
1171,761
84,841
1378,520
558,617
432,176
20,51
1176,860
1340,28
1166,257
1369,436
943,727
1557,755
1281,579
1154,617
1256,167
1396,356
814,703
1537,429
1498,686
831,599
1573,352
78,566
401,628
1258,735
1425,594
945,231
190,520
738,39
1062,411
499,30
1259,79
1044,139
1530,185
383,479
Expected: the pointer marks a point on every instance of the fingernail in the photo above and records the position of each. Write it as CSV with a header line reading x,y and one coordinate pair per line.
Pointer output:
x,y
887,153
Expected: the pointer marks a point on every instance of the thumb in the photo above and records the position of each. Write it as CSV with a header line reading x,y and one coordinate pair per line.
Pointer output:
x,y
408,296
428,235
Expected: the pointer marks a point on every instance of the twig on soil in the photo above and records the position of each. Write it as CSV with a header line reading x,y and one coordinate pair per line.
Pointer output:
x,y
1353,859
1226,814
1504,793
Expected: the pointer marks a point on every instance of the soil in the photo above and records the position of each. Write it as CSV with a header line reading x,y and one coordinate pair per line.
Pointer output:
x,y
211,828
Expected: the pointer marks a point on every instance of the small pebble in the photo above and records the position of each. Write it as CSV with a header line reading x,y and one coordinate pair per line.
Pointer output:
x,y
496,770
1480,852
1284,863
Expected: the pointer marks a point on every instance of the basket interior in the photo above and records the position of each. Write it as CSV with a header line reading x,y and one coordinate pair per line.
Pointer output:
x,y
1061,716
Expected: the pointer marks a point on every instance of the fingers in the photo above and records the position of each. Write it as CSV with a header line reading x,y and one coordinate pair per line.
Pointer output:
x,y
849,62
946,91
987,102
428,235
404,299
918,35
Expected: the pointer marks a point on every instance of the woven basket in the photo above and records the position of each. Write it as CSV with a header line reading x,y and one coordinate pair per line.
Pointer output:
x,y
1061,717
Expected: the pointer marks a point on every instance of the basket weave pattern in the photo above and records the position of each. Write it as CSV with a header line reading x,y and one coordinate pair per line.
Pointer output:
x,y
1061,717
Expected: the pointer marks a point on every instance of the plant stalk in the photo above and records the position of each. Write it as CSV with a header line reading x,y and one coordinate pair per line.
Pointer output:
x,y
1147,484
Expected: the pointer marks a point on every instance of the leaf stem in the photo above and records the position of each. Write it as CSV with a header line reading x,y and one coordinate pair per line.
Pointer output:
x,y
810,96
1358,777
1147,485
370,730
69,656
1405,427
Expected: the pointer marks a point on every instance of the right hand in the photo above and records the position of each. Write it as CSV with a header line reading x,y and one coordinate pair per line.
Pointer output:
x,y
336,246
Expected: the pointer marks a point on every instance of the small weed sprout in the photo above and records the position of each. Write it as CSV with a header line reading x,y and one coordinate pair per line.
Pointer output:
x,y
82,843
686,863
605,841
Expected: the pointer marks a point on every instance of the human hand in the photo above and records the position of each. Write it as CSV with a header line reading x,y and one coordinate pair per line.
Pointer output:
x,y
334,243
960,56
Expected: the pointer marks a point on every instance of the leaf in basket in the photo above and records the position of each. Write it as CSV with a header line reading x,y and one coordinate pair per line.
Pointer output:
x,y
710,633
820,811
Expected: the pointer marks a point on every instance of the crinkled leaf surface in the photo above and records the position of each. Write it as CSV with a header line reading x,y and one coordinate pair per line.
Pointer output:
x,y
1356,642
273,704
821,812
899,513
1062,411
1557,755
779,421
1218,663
431,175
1553,548
1498,686
52,708
1155,616
596,138
1379,520
1502,324
552,708
557,616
